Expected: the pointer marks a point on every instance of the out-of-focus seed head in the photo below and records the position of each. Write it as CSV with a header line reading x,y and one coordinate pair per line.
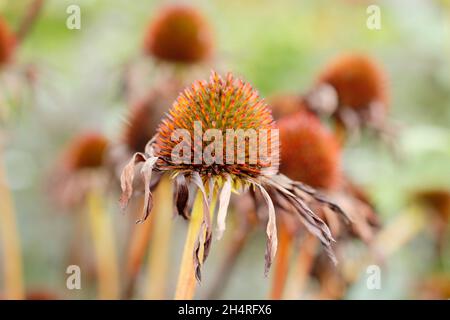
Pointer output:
x,y
179,34
140,126
7,43
357,79
86,151
309,152
285,104
218,104
144,117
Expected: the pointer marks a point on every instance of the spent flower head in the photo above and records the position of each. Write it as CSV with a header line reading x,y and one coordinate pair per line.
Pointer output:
x,y
84,157
196,145
179,34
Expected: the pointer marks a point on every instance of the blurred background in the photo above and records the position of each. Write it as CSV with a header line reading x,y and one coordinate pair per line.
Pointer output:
x,y
277,46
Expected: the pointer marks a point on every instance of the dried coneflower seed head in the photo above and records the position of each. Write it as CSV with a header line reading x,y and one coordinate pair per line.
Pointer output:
x,y
86,151
7,42
309,152
223,104
358,80
140,127
179,34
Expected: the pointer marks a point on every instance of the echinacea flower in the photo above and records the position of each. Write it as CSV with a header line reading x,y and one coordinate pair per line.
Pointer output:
x,y
360,86
311,154
179,34
223,105
85,155
81,178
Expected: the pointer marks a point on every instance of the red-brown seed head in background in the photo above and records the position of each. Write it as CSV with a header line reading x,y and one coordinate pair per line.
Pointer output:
x,y
285,104
358,80
179,34
144,117
86,151
139,129
7,43
309,152
78,168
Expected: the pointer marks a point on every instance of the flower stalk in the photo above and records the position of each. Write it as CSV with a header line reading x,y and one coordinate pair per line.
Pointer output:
x,y
159,249
187,283
102,235
12,256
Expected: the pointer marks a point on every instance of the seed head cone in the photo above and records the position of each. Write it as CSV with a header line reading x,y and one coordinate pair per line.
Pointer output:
x,y
179,34
357,79
218,104
86,151
309,152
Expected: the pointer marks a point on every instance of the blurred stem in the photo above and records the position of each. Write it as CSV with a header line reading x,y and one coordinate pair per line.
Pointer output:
x,y
396,234
103,238
305,261
235,249
140,237
281,263
12,256
29,19
187,283
159,249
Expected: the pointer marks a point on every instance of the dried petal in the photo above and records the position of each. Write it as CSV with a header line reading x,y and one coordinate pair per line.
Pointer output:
x,y
224,201
271,230
205,228
127,177
146,172
181,195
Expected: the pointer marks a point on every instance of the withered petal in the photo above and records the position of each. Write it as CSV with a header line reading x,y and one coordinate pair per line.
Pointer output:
x,y
181,195
146,172
271,230
127,177
224,201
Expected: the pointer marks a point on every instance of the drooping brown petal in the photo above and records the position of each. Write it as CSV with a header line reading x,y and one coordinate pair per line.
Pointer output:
x,y
271,230
224,201
312,222
204,230
146,172
298,186
181,195
127,177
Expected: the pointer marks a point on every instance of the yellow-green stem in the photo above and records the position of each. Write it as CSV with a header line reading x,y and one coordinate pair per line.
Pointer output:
x,y
159,249
12,256
105,253
187,283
